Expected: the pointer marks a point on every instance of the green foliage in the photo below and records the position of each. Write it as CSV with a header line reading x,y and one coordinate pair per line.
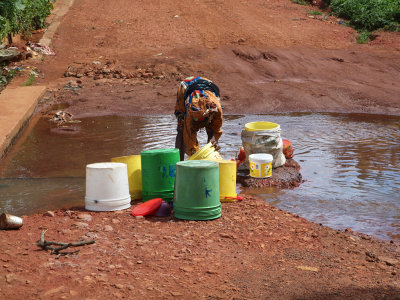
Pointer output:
x,y
30,80
11,74
314,12
392,27
364,37
301,2
23,16
368,15
6,75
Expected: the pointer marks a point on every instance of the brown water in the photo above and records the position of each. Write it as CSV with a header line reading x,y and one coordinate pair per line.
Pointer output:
x,y
350,163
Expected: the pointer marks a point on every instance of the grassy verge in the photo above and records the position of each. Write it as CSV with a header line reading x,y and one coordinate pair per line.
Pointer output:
x,y
363,37
369,14
301,2
31,79
314,12
366,16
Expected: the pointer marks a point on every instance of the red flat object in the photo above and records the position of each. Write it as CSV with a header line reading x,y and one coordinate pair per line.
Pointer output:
x,y
147,208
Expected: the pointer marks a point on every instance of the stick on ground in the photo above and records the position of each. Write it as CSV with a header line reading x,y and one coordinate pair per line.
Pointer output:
x,y
47,245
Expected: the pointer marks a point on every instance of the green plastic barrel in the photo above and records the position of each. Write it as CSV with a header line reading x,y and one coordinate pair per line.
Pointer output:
x,y
197,190
158,173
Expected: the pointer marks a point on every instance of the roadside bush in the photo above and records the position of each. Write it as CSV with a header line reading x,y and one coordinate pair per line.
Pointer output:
x,y
23,16
364,37
368,15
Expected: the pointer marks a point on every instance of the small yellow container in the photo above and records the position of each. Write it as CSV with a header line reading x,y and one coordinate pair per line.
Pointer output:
x,y
260,165
256,126
227,180
208,152
134,174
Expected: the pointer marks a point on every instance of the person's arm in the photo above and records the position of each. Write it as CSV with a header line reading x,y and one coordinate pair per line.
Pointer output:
x,y
216,125
190,137
216,122
180,106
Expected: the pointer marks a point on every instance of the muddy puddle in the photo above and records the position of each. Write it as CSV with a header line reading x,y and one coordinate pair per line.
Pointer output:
x,y
350,164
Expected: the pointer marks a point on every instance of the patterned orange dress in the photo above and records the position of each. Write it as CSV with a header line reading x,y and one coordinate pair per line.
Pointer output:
x,y
197,106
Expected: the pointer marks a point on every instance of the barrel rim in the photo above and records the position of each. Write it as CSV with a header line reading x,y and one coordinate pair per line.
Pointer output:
x,y
105,165
159,151
198,163
248,126
261,157
125,157
226,161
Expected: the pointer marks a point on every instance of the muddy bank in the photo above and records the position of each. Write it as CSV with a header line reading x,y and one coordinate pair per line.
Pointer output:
x,y
168,258
265,57
251,80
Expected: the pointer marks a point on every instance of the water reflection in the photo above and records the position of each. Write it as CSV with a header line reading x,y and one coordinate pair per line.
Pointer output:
x,y
350,164
34,195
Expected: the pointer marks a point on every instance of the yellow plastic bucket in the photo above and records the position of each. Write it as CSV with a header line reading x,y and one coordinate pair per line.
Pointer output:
x,y
207,152
256,126
227,180
134,174
260,165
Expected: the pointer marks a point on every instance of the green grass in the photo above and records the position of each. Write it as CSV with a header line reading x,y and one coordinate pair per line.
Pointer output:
x,y
30,80
364,37
364,15
301,2
368,15
314,12
11,74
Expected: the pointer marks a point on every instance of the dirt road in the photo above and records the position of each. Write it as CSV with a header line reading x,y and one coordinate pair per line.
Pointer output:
x,y
126,57
266,56
253,251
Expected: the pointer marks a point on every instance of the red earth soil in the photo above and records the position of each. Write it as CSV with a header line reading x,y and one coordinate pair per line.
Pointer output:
x,y
126,58
266,56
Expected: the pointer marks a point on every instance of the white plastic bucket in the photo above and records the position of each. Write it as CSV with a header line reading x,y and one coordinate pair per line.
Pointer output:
x,y
260,165
264,141
107,187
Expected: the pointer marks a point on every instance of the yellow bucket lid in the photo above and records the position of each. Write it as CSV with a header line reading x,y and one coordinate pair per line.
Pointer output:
x,y
261,125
